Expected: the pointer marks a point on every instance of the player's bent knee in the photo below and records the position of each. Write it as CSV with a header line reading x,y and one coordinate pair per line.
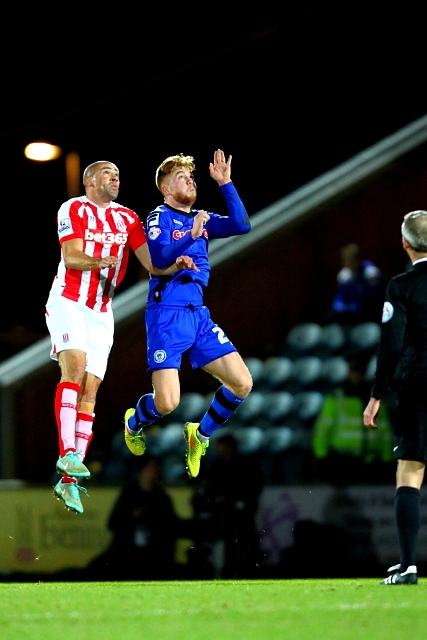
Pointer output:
x,y
246,391
248,384
243,388
166,406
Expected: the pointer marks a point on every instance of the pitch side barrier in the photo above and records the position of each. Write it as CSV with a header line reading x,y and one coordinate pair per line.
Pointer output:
x,y
34,359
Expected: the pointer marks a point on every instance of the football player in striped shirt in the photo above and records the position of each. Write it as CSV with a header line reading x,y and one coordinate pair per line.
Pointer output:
x,y
96,235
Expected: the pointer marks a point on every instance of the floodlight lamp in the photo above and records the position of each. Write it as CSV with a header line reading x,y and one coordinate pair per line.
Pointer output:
x,y
42,151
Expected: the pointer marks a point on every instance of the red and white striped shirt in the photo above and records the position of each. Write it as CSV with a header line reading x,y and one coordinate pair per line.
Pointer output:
x,y
105,232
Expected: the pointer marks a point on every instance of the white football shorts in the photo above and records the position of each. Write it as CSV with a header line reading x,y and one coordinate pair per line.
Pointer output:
x,y
75,326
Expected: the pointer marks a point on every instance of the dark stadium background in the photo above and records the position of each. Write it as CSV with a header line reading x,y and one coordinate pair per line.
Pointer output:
x,y
289,92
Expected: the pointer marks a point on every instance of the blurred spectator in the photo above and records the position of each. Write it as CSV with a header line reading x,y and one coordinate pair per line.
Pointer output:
x,y
145,528
344,450
225,508
360,289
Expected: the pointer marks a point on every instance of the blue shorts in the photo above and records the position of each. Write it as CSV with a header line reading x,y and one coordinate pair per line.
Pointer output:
x,y
171,331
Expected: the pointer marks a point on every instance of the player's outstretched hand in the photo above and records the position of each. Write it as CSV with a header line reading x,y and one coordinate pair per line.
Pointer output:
x,y
220,168
185,262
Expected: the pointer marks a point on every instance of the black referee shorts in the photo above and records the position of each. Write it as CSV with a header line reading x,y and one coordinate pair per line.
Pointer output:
x,y
410,425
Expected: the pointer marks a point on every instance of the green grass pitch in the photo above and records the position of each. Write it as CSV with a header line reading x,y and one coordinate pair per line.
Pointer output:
x,y
327,609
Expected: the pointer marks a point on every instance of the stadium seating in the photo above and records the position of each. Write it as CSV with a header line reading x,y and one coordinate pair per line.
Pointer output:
x,y
191,408
363,339
334,372
304,338
306,373
277,406
307,405
278,439
256,369
275,420
166,439
250,410
250,439
332,339
277,372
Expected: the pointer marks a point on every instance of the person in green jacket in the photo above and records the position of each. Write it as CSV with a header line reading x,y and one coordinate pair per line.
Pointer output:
x,y
344,450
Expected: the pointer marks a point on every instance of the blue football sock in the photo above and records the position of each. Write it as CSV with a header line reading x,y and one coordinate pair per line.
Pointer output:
x,y
145,413
223,406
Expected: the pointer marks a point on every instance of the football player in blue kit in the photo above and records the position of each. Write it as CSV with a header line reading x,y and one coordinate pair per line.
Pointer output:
x,y
176,319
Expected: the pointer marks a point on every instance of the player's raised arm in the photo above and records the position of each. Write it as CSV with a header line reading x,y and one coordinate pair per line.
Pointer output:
x,y
182,262
220,168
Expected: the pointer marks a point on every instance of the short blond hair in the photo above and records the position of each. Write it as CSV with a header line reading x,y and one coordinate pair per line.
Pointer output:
x,y
171,164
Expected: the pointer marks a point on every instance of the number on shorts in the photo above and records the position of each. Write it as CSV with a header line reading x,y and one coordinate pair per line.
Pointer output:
x,y
221,335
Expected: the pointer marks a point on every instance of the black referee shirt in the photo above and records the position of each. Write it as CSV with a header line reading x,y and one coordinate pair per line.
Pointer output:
x,y
404,328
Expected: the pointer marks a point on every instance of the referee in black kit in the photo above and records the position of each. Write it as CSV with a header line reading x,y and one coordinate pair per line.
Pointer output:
x,y
404,342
